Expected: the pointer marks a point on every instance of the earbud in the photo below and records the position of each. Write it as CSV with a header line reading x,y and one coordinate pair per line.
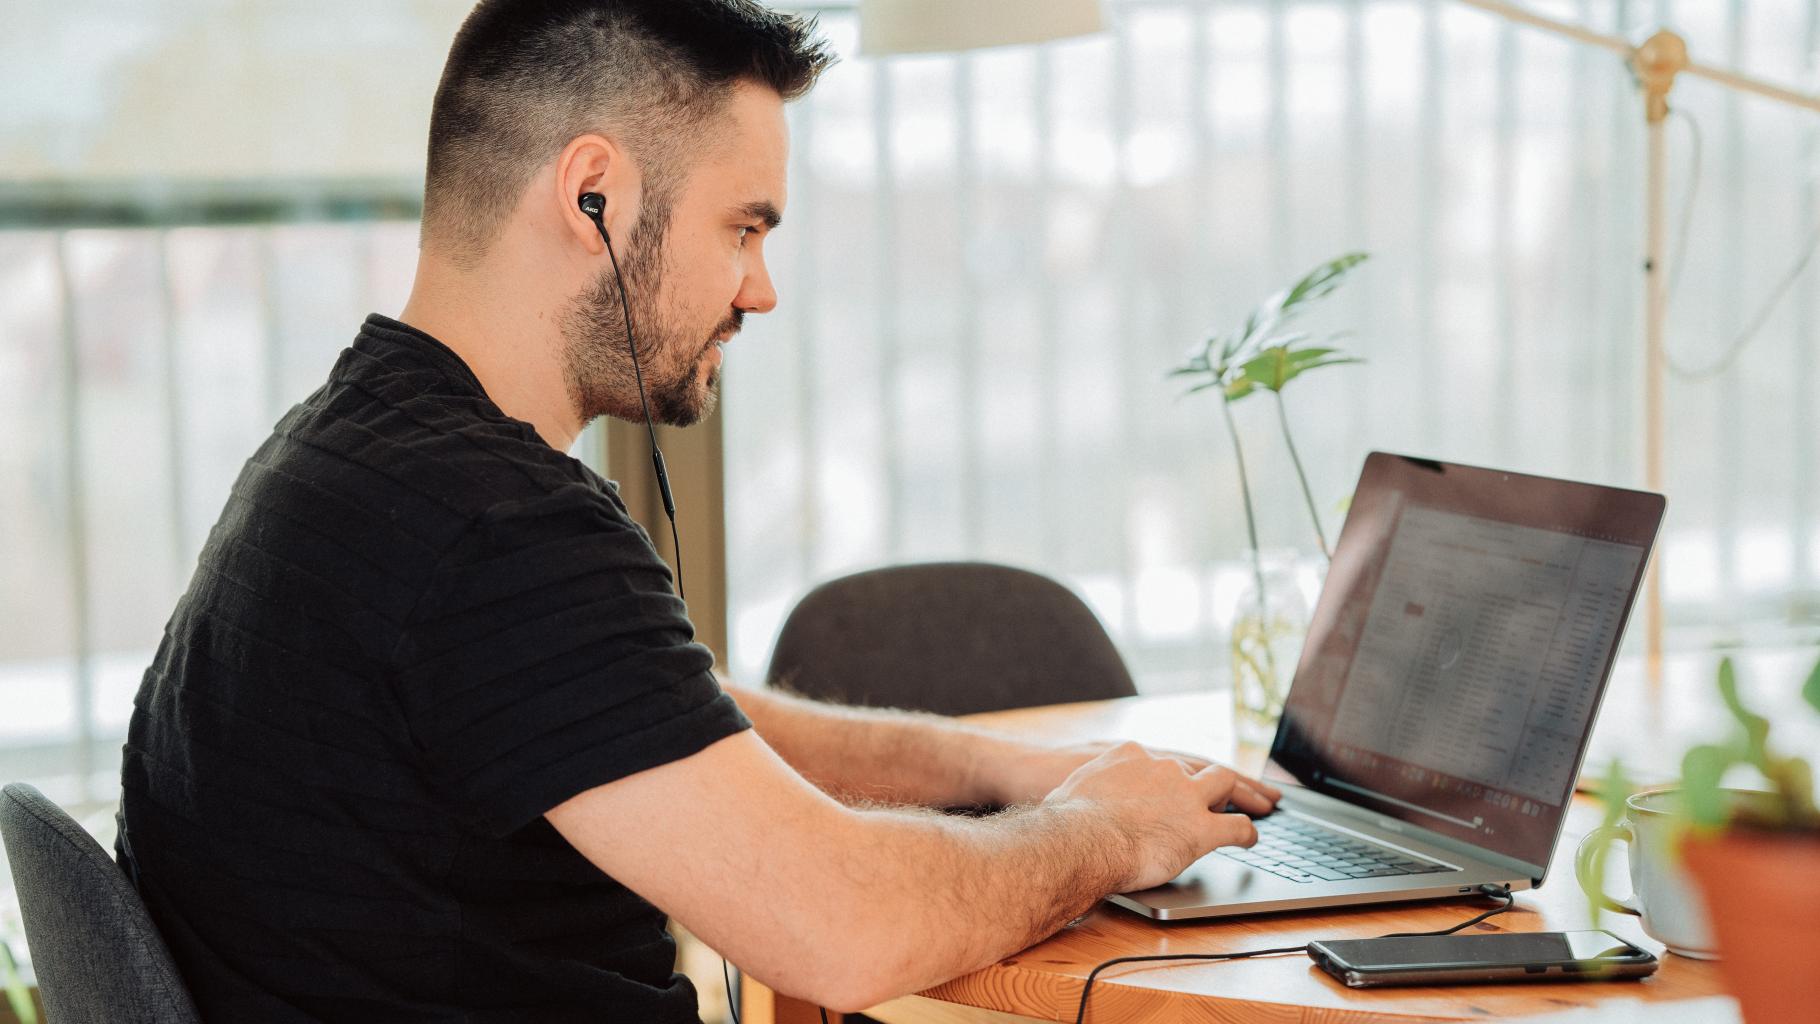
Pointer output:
x,y
594,205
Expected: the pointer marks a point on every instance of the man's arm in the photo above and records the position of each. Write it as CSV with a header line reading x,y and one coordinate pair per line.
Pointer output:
x,y
850,907
887,756
895,756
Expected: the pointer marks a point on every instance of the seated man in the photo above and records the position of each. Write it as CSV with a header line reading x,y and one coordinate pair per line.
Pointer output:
x,y
427,737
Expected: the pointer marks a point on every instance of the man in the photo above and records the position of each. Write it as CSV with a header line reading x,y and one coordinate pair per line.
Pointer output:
x,y
427,737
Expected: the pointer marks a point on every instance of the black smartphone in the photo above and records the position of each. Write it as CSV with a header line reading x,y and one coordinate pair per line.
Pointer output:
x,y
1464,959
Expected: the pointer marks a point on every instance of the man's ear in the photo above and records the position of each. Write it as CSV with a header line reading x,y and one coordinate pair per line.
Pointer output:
x,y
593,164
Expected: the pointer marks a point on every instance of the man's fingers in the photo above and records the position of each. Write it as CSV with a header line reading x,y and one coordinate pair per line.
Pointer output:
x,y
1265,788
1247,797
1196,763
1215,784
1222,785
1234,830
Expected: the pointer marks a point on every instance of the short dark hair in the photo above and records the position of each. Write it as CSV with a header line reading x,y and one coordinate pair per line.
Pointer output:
x,y
524,77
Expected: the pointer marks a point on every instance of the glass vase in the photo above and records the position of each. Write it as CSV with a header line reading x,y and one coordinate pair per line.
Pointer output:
x,y
1268,628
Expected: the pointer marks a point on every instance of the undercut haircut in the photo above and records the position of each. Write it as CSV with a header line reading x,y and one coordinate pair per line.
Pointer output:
x,y
525,77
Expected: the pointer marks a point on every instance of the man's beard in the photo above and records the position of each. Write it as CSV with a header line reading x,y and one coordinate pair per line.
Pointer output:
x,y
597,357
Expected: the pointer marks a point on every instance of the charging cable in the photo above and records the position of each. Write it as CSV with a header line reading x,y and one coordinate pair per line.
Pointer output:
x,y
1492,890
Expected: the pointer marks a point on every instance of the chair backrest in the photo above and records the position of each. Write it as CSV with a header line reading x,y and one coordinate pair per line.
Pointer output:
x,y
97,954
949,637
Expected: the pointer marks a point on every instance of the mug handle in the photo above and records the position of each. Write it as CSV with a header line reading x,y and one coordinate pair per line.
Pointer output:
x,y
1583,865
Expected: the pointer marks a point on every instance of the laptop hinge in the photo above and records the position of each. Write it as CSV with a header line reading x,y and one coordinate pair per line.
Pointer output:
x,y
1347,813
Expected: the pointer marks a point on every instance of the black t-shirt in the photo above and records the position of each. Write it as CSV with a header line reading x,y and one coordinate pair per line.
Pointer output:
x,y
415,628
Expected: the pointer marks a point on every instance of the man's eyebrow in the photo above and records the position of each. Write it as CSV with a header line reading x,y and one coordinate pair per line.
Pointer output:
x,y
762,210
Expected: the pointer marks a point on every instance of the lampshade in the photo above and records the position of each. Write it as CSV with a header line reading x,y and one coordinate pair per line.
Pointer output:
x,y
922,26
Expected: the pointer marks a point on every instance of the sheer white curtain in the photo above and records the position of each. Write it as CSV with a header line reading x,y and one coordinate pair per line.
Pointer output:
x,y
991,260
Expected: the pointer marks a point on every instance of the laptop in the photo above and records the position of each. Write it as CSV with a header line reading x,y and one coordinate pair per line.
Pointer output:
x,y
1443,700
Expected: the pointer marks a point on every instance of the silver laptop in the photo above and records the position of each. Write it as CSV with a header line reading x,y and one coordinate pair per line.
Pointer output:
x,y
1444,697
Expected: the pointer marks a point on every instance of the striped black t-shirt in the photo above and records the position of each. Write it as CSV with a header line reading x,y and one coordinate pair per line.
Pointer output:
x,y
415,628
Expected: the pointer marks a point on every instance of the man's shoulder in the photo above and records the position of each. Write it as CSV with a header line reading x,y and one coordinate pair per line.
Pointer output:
x,y
408,435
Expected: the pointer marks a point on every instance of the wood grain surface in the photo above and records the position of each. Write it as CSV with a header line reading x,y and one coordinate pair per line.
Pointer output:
x,y
1044,982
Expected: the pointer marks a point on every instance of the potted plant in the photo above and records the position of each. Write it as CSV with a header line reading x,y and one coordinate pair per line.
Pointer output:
x,y
1757,863
1264,355
1753,856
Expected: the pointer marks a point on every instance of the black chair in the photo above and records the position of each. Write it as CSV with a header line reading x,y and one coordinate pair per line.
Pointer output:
x,y
954,638
97,954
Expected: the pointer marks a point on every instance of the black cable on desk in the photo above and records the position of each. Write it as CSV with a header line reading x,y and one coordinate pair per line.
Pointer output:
x,y
1080,1016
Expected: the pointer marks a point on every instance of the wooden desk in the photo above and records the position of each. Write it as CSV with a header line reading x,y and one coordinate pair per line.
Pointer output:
x,y
1044,982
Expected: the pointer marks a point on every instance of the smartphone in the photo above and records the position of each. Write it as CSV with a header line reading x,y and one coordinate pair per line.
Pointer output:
x,y
1465,959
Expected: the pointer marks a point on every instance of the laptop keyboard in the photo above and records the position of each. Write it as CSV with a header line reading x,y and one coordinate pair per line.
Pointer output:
x,y
1303,850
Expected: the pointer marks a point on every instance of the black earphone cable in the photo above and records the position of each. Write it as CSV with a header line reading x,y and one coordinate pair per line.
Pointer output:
x,y
595,207
1495,891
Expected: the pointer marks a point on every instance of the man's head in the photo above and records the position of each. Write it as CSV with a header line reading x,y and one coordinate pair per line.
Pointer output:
x,y
671,109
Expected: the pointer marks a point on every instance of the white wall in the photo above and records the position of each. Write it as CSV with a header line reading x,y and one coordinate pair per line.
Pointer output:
x,y
218,89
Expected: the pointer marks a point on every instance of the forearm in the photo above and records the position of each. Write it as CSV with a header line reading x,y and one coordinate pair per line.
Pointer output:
x,y
885,756
945,896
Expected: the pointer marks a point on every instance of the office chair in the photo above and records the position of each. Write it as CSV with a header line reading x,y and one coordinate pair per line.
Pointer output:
x,y
954,638
97,954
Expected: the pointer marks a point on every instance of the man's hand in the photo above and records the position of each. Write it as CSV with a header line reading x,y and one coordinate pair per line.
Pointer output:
x,y
1028,776
1169,813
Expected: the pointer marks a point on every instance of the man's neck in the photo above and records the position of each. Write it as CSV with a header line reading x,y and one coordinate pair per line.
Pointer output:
x,y
512,347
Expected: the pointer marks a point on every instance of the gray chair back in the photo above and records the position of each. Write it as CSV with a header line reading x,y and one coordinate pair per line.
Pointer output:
x,y
96,952
954,638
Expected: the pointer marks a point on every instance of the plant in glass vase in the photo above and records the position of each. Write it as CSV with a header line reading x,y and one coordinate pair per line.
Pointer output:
x,y
1265,354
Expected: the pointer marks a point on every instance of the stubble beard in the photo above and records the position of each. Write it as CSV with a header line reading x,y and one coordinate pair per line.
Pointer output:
x,y
597,356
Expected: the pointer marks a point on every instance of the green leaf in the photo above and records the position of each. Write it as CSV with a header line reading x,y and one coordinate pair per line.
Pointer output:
x,y
1794,780
1273,368
17,995
1318,363
1810,691
1322,280
1268,370
1275,340
1310,354
1612,789
1251,328
1262,355
1756,727
1701,770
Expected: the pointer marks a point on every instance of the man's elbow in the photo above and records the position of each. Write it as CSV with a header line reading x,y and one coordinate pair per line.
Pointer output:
x,y
861,968
860,989
839,986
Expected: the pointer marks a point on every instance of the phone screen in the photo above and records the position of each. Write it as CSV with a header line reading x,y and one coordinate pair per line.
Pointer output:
x,y
1442,951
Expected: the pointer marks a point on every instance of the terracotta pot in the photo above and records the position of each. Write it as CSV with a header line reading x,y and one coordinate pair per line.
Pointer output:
x,y
1762,893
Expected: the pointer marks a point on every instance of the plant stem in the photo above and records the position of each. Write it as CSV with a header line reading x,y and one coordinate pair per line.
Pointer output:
x,y
1307,495
1251,521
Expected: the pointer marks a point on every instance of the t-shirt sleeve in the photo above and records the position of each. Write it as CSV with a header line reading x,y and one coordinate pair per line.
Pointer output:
x,y
549,655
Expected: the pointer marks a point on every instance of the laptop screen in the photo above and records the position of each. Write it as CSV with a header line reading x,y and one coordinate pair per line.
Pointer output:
x,y
1461,645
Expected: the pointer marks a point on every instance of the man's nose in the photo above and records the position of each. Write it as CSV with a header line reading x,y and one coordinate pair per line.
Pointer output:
x,y
757,294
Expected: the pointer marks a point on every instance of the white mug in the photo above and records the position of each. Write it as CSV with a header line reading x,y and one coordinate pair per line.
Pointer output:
x,y
1662,896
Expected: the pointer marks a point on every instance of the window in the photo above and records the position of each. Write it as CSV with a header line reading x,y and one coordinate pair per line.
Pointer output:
x,y
992,259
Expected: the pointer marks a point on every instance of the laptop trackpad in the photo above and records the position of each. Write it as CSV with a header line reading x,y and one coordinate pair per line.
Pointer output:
x,y
1212,880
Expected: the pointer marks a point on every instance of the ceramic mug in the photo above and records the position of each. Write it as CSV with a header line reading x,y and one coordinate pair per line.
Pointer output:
x,y
1662,896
